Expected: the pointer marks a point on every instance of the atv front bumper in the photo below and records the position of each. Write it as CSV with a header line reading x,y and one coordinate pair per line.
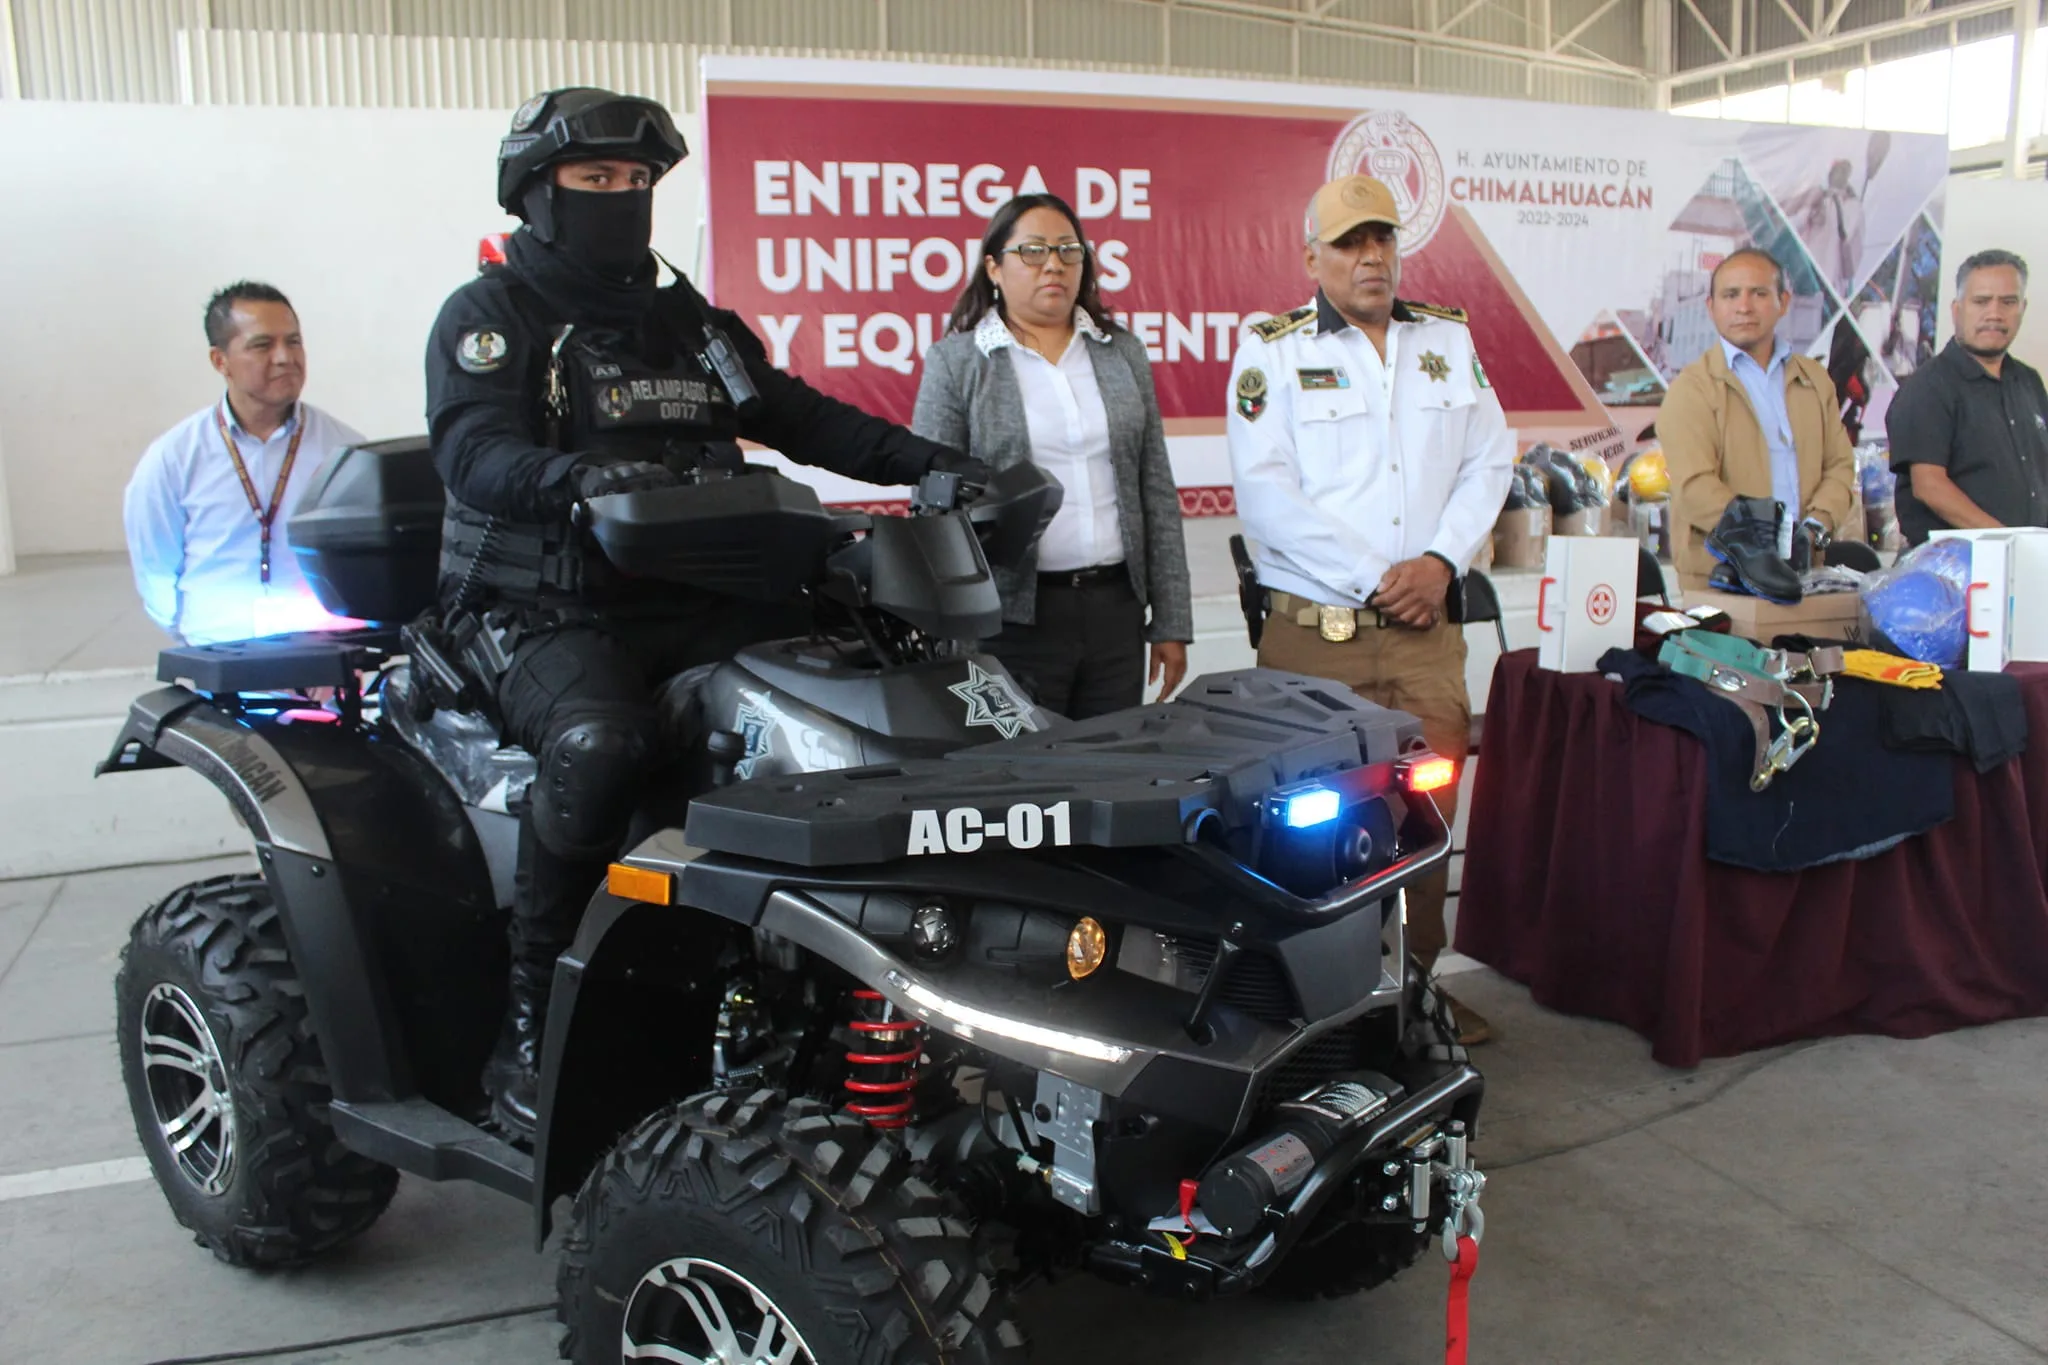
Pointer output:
x,y
1408,1170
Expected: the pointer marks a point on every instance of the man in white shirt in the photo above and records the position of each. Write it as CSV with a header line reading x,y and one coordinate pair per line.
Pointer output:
x,y
206,509
1371,458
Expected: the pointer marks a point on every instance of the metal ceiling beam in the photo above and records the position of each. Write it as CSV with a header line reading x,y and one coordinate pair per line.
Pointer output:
x,y
1693,9
1462,15
1833,20
1591,62
1798,22
1595,17
1785,56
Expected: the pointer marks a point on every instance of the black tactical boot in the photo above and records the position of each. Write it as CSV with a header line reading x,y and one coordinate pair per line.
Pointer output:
x,y
512,1076
1746,541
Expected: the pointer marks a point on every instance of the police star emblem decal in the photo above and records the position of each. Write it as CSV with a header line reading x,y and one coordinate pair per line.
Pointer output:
x,y
1436,367
992,701
757,735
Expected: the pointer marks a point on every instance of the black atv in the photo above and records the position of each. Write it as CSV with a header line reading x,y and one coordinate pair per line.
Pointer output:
x,y
927,994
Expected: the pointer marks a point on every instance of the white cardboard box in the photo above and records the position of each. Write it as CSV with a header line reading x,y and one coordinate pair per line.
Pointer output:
x,y
2007,599
1585,604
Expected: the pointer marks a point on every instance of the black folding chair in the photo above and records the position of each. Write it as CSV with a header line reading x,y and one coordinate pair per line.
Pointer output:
x,y
1650,577
1473,600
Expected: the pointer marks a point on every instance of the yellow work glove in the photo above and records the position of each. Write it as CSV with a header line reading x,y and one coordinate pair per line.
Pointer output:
x,y
1879,667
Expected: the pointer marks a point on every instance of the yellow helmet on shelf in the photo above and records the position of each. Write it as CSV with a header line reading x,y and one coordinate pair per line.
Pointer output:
x,y
1649,477
1601,473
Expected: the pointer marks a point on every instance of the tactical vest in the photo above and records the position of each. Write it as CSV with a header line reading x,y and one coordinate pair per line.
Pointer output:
x,y
602,399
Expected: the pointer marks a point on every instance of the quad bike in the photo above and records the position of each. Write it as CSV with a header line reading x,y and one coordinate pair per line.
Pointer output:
x,y
922,994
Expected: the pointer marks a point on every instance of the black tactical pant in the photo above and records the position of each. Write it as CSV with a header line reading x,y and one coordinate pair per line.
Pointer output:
x,y
1085,653
602,677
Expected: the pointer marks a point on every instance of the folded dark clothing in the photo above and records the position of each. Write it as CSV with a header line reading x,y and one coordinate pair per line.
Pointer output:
x,y
1848,797
1978,715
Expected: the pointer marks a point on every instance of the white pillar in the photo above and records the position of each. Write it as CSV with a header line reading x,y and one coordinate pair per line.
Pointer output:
x,y
2026,27
6,522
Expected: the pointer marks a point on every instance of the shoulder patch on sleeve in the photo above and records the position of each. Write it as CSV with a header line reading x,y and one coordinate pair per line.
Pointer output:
x,y
1273,328
482,350
1435,310
1251,392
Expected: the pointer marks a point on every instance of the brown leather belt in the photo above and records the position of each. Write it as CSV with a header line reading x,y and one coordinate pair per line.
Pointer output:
x,y
1334,623
1806,680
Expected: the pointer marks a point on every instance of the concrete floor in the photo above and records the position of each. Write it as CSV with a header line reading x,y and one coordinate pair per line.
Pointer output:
x,y
1858,1200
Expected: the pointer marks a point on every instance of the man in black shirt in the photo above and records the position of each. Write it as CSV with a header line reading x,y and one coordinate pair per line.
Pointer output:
x,y
1970,431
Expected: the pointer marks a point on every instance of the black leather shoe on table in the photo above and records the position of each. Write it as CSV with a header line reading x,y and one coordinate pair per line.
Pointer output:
x,y
1746,543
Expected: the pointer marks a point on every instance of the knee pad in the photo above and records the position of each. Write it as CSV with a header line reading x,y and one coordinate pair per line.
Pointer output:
x,y
588,782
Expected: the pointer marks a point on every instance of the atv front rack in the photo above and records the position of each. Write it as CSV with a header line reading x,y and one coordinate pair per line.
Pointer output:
x,y
1145,776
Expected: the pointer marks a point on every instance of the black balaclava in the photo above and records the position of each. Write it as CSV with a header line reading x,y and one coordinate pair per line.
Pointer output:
x,y
609,231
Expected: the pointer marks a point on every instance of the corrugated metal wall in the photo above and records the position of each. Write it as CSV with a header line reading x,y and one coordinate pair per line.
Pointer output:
x,y
488,52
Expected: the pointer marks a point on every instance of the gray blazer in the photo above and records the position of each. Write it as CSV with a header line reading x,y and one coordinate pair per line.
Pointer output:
x,y
971,402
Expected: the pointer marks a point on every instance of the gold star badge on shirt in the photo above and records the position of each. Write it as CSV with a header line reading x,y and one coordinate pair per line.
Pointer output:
x,y
1435,366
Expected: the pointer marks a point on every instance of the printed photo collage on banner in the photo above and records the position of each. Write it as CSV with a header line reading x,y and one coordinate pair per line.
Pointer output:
x,y
1862,261
846,201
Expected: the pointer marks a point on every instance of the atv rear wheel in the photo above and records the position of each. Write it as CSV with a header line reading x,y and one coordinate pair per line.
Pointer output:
x,y
226,1083
759,1229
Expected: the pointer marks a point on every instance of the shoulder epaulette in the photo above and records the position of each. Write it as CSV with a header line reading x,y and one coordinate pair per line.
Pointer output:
x,y
1272,329
1434,310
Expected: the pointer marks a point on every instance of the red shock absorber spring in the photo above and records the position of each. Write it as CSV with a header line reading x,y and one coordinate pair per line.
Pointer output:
x,y
883,1088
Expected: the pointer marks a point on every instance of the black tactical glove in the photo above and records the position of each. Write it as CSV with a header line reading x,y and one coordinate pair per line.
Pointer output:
x,y
623,476
969,469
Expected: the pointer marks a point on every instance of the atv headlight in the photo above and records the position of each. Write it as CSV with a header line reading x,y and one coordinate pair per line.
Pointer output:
x,y
1087,946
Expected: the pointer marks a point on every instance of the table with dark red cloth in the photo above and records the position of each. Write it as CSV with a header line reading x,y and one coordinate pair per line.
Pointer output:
x,y
1586,878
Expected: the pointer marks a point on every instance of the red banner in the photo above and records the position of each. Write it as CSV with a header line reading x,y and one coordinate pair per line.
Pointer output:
x,y
844,221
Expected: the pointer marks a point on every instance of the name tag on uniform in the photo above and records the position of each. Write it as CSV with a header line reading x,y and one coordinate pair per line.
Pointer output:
x,y
1322,379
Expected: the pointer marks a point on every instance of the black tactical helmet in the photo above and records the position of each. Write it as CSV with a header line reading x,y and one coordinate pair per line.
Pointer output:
x,y
582,124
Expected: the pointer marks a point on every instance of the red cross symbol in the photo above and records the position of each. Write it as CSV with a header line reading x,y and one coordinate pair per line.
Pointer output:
x,y
1600,604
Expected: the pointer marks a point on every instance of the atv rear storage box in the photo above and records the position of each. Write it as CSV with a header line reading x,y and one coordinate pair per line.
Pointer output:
x,y
368,531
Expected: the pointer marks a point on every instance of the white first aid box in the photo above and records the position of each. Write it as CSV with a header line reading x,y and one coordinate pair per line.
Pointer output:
x,y
2006,603
1586,601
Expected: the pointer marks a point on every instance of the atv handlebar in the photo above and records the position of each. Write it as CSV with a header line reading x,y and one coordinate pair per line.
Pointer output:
x,y
760,535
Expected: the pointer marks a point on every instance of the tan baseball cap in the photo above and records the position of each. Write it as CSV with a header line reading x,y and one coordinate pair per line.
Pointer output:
x,y
1346,202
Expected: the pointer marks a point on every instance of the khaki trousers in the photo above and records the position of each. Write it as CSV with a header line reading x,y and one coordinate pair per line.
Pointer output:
x,y
1421,672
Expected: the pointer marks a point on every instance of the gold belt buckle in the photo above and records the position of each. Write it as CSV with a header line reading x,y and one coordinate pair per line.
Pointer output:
x,y
1336,624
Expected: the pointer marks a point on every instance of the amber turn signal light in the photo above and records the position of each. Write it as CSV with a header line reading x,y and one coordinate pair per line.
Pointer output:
x,y
1087,945
1429,774
640,884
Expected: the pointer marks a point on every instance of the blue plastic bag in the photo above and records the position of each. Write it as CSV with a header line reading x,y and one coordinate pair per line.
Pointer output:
x,y
1919,603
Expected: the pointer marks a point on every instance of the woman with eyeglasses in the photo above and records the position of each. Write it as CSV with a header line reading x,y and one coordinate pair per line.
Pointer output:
x,y
1033,368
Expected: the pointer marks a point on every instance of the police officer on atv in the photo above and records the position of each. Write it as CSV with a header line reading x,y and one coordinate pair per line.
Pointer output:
x,y
565,374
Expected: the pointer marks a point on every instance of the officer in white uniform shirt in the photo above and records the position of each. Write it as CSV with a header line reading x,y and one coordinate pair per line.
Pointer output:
x,y
206,509
1371,458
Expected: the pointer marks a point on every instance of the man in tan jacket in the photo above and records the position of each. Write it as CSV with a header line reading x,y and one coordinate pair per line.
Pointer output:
x,y
1750,419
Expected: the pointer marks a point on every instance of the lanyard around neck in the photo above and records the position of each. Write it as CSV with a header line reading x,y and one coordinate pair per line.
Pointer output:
x,y
264,516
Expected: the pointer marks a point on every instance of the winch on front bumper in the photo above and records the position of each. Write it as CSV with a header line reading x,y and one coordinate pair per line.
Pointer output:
x,y
1402,1165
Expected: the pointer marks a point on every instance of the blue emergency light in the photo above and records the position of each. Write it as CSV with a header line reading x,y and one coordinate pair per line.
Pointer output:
x,y
1310,806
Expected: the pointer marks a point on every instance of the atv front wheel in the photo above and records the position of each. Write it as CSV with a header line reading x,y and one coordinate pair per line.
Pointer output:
x,y
759,1229
226,1083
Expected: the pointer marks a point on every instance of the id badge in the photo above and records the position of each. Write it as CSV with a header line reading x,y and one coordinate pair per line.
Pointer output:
x,y
1336,624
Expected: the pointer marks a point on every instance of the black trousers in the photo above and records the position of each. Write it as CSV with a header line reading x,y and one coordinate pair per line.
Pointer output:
x,y
571,674
1085,654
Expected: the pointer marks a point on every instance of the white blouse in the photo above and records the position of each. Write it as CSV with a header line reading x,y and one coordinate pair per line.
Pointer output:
x,y
1069,429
